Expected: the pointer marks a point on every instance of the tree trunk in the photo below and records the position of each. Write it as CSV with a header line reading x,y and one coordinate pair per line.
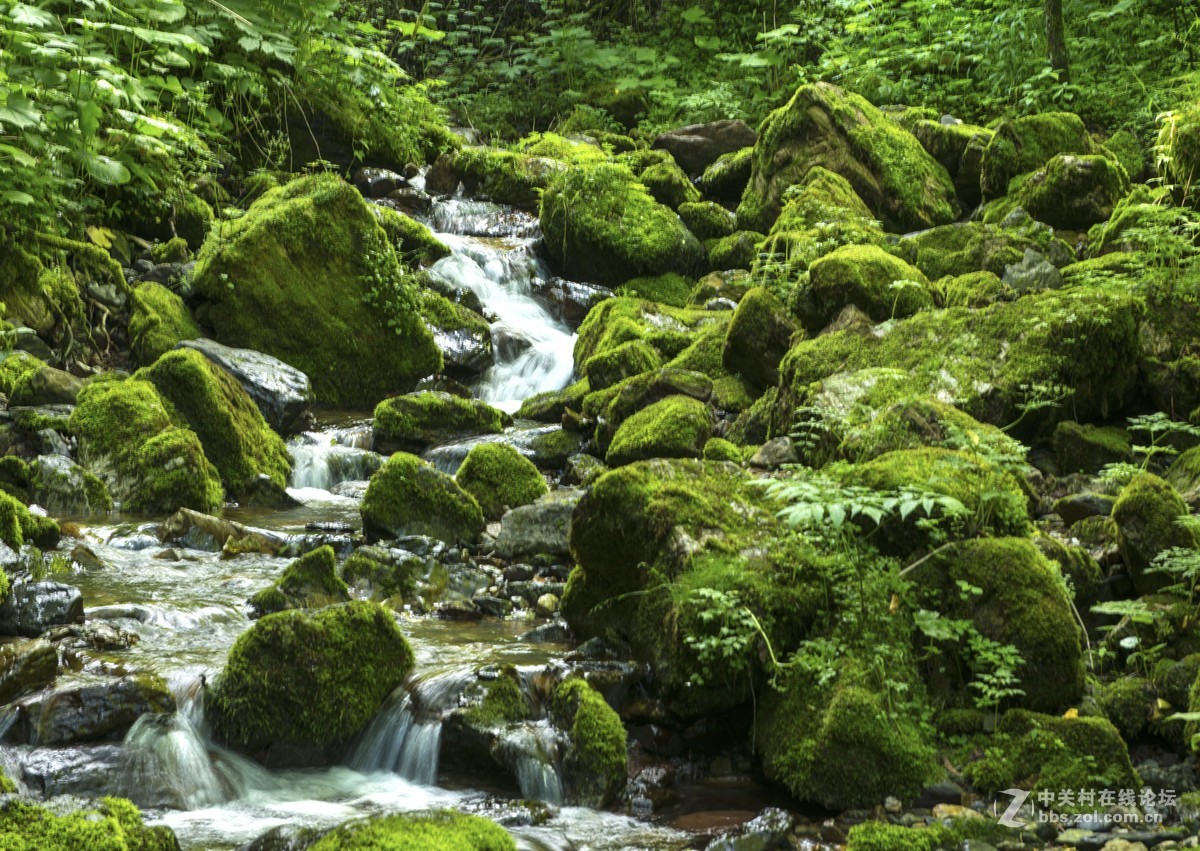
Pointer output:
x,y
1056,38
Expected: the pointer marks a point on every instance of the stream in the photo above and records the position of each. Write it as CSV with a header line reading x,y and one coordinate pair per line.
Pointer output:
x,y
187,606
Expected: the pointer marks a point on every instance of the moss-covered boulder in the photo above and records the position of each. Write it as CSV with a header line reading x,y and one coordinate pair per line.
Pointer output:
x,y
129,438
615,365
550,406
669,185
406,496
1147,515
1179,142
974,289
823,126
307,275
879,284
675,427
500,478
602,226
1073,192
739,250
443,831
962,248
296,684
759,335
158,322
595,765
1086,448
614,321
251,458
19,526
725,180
416,421
411,239
672,289
611,408
510,177
1021,600
114,824
707,220
1022,145
959,148
1129,703
309,582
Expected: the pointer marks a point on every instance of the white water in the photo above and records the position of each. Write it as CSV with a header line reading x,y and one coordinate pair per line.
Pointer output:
x,y
532,349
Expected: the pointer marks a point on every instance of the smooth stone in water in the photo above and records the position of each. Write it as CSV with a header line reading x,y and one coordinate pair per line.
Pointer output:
x,y
34,607
91,712
540,527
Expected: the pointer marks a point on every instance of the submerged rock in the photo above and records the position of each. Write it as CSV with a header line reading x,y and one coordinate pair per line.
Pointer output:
x,y
33,607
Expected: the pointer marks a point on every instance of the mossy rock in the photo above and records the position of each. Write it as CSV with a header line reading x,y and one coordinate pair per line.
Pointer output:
x,y
550,406
707,220
411,239
974,289
309,582
612,407
985,361
500,478
962,248
231,428
174,250
739,250
879,284
595,765
308,682
163,217
1179,143
720,449
672,289
823,126
1086,448
1147,514
669,185
17,369
759,335
308,276
113,824
1146,218
1126,149
503,703
1073,192
406,496
129,437
1022,601
1129,703
725,180
436,831
882,836
675,427
386,575
614,321
416,421
602,226
1022,145
509,177
19,526
729,284
158,323
615,365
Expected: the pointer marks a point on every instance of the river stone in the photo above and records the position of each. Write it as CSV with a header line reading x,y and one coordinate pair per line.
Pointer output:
x,y
211,534
34,607
88,772
89,712
57,484
697,146
775,453
377,182
568,301
281,392
546,605
540,527
48,386
26,666
1032,272
769,829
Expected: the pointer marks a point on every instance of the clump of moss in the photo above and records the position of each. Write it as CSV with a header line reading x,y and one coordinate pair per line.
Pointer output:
x,y
444,831
509,177
1087,448
880,836
1179,143
601,225
1128,151
879,284
114,825
720,449
159,321
549,407
130,437
669,185
707,220
675,427
231,428
760,334
406,496
174,250
500,478
16,369
1022,145
418,420
614,321
307,275
615,365
386,574
411,239
739,250
309,582
19,526
974,289
725,180
1073,192
1128,702
962,248
308,680
671,288
596,763
503,703
1147,514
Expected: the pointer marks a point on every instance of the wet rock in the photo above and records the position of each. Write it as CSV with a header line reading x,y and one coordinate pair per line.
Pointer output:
x,y
566,300
1078,506
546,605
26,666
47,386
555,632
212,534
540,527
86,557
775,453
281,392
60,485
493,606
697,146
89,772
92,635
1032,272
410,201
458,610
582,470
90,712
285,838
466,352
34,607
377,182
768,830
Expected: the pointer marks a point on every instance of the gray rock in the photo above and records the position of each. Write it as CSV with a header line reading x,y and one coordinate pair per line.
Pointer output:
x,y
203,532
540,527
57,484
25,339
88,772
1077,506
493,606
566,300
90,712
26,665
377,182
769,829
34,607
1032,272
50,442
410,201
467,353
48,386
697,146
775,453
555,632
282,392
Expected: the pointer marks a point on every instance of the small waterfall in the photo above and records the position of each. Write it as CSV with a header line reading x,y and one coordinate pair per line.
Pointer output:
x,y
165,762
319,462
532,750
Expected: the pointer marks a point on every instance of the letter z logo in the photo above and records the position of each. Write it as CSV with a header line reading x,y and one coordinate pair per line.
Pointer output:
x,y
1009,818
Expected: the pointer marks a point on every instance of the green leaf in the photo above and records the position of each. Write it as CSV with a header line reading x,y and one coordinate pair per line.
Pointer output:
x,y
31,16
104,169
12,196
19,111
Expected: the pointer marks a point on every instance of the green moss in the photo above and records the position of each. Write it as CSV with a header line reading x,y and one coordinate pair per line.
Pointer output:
x,y
438,831
307,275
596,762
1025,144
726,179
959,249
612,407
615,365
1087,448
411,239
229,424
736,251
418,420
174,250
1022,602
552,449
707,220
675,427
406,496
879,284
671,288
879,836
183,214
16,368
557,147
601,225
309,582
503,703
1146,218
114,825
509,177
824,126
388,576
974,289
130,437
1147,514
550,406
1073,192
19,526
720,449
500,478
1128,151
760,334
1128,702
159,321
669,185
1178,149
300,679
